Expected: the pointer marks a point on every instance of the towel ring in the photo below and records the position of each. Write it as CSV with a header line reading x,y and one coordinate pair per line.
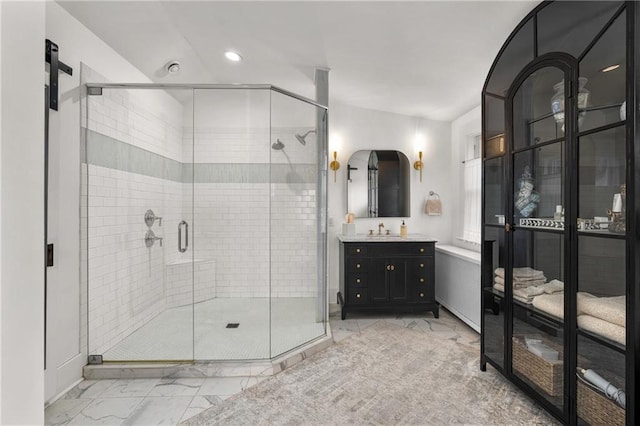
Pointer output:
x,y
434,194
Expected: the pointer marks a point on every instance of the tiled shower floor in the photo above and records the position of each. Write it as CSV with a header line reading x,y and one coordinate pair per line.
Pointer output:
x,y
266,328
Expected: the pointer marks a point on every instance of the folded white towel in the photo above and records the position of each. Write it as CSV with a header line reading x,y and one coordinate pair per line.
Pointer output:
x,y
528,292
552,304
522,274
522,299
534,283
498,287
499,280
603,328
553,286
610,309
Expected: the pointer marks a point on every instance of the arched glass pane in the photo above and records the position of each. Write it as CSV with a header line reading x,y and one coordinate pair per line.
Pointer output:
x,y
571,26
518,53
533,119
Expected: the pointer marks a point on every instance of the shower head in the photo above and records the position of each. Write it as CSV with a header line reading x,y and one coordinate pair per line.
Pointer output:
x,y
302,138
277,145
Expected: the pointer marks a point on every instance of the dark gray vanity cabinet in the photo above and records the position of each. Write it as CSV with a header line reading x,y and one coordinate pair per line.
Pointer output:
x,y
383,276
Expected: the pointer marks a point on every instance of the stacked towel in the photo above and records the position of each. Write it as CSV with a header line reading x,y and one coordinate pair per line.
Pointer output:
x,y
605,316
523,277
603,328
527,283
610,309
526,294
553,286
552,304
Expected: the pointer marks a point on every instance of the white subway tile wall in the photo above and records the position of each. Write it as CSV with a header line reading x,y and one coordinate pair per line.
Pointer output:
x,y
252,227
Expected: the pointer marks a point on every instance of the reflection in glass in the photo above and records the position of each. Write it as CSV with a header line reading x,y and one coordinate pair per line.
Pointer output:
x,y
606,81
493,299
494,191
601,174
493,126
378,184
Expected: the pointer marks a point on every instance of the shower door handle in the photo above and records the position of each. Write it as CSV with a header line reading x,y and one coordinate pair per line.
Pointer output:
x,y
186,237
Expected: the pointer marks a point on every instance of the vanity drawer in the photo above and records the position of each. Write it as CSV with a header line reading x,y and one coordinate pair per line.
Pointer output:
x,y
424,293
354,250
424,249
357,265
356,281
359,296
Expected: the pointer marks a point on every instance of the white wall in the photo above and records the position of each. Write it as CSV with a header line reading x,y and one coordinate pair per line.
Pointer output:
x,y
77,44
352,129
22,192
462,128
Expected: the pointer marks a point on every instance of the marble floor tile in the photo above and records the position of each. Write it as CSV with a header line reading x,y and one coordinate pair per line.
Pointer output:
x,y
130,388
346,325
89,389
221,386
199,404
339,335
64,410
110,411
366,322
176,387
159,411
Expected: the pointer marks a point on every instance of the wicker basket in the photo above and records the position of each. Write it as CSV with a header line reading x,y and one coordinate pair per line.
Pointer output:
x,y
596,409
548,375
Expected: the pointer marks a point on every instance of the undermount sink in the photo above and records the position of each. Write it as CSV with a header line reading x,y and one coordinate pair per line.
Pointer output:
x,y
384,237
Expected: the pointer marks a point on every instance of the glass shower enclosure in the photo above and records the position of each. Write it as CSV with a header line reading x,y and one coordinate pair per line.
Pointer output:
x,y
204,211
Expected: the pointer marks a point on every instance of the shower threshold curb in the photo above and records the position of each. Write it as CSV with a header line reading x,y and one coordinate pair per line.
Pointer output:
x,y
252,368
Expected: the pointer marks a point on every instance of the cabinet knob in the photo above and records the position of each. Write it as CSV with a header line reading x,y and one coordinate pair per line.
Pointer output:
x,y
357,265
421,280
421,250
390,267
358,295
422,265
358,280
357,250
421,294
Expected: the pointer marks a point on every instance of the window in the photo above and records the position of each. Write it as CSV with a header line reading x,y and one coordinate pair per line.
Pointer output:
x,y
472,190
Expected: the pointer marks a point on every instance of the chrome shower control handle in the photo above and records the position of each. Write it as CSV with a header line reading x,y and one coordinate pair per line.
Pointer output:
x,y
182,249
150,217
150,238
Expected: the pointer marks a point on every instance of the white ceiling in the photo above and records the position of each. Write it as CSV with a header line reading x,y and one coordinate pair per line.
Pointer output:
x,y
420,58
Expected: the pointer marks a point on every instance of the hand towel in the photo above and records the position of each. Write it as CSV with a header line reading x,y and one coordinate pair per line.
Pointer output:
x,y
433,206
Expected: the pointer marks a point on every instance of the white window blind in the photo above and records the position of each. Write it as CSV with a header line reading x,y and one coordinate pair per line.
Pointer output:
x,y
472,191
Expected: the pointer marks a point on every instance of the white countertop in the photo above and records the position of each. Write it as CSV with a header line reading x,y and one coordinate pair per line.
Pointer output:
x,y
393,238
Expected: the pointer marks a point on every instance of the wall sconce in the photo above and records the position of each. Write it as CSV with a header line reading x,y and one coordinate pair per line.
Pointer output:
x,y
419,164
334,165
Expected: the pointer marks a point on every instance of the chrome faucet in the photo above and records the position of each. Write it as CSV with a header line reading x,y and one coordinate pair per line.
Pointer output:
x,y
380,226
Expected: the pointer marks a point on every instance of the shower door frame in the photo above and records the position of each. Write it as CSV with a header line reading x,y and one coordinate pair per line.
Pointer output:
x,y
321,185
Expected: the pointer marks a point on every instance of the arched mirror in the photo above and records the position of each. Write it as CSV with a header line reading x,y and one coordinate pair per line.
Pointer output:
x,y
378,184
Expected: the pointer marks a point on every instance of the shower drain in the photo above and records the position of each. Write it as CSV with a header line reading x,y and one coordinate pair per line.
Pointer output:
x,y
233,325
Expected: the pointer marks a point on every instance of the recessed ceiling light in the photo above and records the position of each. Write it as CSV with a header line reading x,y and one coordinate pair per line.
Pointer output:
x,y
173,67
611,68
232,56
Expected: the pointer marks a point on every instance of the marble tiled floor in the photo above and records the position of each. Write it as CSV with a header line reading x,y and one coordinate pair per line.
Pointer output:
x,y
171,401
